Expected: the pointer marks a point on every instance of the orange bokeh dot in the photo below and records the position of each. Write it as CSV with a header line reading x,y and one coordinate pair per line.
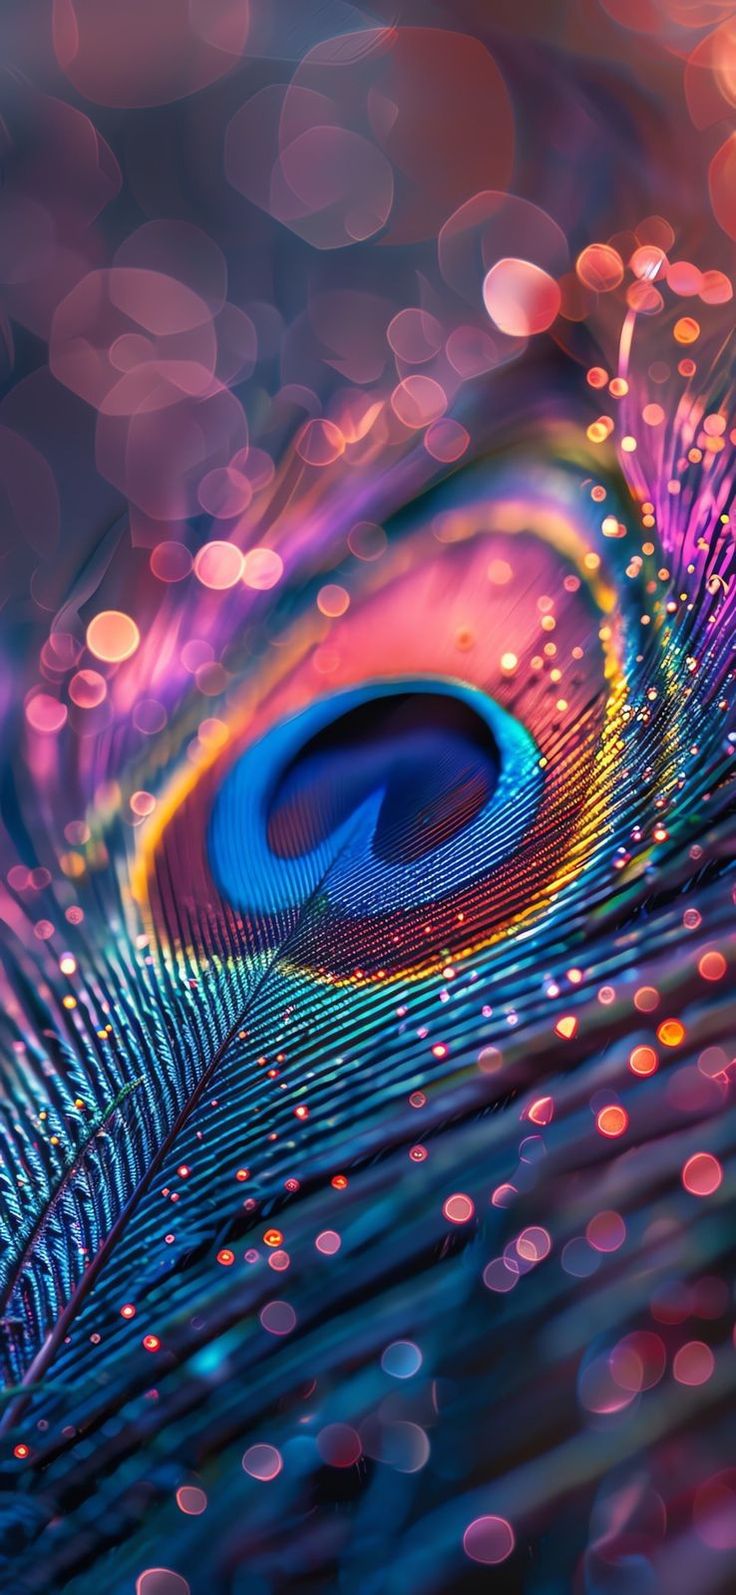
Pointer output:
x,y
332,600
686,330
646,999
643,1060
712,966
702,1174
112,636
600,267
599,430
612,1121
671,1032
567,1027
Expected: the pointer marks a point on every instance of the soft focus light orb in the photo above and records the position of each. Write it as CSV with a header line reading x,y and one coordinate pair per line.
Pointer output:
x,y
333,600
612,1121
702,1174
87,689
339,1445
693,1363
45,713
417,401
191,1500
458,1208
170,561
262,568
489,1540
142,53
521,298
320,443
161,1581
219,565
600,267
263,1462
402,1359
328,1242
113,636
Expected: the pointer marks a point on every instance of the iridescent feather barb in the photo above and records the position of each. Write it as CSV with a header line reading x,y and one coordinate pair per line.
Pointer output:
x,y
367,1164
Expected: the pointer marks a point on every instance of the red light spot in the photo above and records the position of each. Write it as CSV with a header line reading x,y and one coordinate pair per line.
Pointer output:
x,y
489,1540
600,267
226,1257
712,966
702,1174
339,1445
693,1363
151,1342
263,1462
606,1231
542,1111
612,1121
458,1208
643,1060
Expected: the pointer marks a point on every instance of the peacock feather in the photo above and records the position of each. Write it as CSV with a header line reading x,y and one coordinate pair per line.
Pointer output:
x,y
366,804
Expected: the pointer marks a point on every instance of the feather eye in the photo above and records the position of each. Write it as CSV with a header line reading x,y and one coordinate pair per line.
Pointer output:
x,y
472,748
